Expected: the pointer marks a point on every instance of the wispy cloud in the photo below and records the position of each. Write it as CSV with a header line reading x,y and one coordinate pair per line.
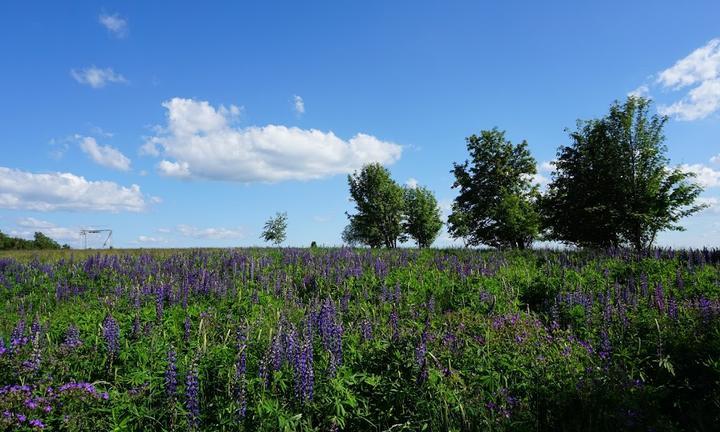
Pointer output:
x,y
115,24
26,227
96,77
299,104
106,156
411,183
210,233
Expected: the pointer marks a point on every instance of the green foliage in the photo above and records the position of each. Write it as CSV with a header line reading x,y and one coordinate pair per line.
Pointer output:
x,y
612,186
423,220
513,340
275,229
40,241
496,201
379,206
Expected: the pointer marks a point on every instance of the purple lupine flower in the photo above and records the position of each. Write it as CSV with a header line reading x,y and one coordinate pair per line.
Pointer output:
x,y
240,382
672,308
36,423
660,298
3,349
187,326
275,353
192,396
159,303
17,337
304,369
331,332
679,281
705,309
605,346
35,329
420,356
394,324
33,364
366,329
111,334
72,338
171,375
136,327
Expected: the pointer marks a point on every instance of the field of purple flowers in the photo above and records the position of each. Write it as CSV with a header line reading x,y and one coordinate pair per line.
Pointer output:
x,y
342,339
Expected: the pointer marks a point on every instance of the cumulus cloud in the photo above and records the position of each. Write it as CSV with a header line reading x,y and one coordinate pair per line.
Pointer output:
x,y
96,77
174,169
26,228
103,155
700,69
115,24
209,233
200,141
705,176
299,104
715,159
66,191
411,183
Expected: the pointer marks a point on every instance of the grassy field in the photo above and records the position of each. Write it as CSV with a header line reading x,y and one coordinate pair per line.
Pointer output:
x,y
342,339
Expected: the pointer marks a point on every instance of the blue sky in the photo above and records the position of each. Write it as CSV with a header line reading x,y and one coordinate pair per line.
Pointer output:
x,y
190,123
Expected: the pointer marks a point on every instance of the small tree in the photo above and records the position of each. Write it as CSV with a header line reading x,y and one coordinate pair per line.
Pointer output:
x,y
613,185
496,204
422,216
275,229
379,203
41,241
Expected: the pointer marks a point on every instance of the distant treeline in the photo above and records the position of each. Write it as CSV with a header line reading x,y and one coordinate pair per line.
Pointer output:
x,y
40,241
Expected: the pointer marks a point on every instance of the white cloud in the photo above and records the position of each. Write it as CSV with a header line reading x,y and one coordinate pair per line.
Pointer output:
x,y
96,77
321,219
411,183
209,233
66,191
149,239
642,90
174,169
700,69
699,103
715,159
115,24
29,225
203,143
104,155
705,176
541,180
701,65
299,104
713,204
547,166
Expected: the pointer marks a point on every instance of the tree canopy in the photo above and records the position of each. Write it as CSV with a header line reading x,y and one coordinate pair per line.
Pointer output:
x,y
39,241
275,229
496,203
423,220
613,185
379,204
